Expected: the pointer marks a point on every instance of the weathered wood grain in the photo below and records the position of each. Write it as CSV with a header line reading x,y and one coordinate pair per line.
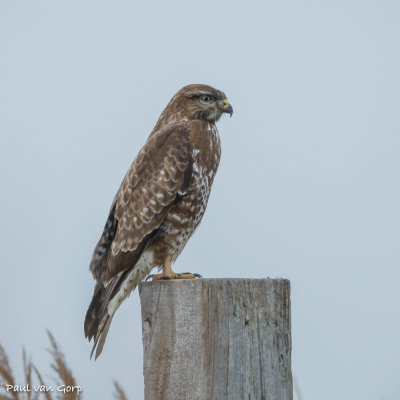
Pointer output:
x,y
217,339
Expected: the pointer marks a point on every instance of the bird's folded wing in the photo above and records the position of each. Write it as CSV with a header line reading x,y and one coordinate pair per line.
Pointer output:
x,y
157,177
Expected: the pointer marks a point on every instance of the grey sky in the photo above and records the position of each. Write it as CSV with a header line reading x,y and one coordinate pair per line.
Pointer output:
x,y
308,185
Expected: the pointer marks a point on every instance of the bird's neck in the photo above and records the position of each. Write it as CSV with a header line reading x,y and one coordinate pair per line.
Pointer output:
x,y
178,118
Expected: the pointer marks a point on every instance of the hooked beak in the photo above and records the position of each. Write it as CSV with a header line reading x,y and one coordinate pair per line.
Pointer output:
x,y
226,107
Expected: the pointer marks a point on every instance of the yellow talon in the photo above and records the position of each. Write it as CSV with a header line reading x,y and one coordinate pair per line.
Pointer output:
x,y
169,274
173,275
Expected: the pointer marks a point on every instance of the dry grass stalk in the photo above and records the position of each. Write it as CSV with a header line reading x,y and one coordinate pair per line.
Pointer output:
x,y
6,376
297,389
59,365
41,382
120,394
64,373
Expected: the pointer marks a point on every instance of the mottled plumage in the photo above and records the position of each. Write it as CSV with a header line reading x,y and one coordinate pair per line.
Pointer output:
x,y
159,203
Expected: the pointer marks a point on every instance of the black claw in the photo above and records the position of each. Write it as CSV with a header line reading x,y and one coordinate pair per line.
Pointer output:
x,y
148,277
191,273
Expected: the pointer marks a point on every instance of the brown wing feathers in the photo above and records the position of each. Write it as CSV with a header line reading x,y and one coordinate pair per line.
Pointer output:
x,y
158,176
149,200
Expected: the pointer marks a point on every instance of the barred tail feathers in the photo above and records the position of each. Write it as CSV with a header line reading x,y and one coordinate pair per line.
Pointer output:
x,y
107,299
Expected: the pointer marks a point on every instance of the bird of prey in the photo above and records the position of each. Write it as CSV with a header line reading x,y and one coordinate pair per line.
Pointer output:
x,y
159,204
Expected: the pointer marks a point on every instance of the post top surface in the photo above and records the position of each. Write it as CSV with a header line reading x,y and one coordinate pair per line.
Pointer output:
x,y
211,281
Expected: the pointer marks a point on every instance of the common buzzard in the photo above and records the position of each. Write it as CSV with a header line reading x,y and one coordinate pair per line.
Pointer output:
x,y
158,205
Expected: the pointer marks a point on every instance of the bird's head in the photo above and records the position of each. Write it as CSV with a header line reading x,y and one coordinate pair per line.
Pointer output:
x,y
204,102
199,102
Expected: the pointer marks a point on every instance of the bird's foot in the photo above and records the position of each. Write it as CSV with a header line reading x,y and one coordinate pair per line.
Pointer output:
x,y
173,275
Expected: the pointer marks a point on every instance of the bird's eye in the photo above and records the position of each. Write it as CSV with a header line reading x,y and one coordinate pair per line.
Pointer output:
x,y
205,99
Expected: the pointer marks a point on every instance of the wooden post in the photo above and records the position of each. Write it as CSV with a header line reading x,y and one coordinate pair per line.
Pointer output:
x,y
216,339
